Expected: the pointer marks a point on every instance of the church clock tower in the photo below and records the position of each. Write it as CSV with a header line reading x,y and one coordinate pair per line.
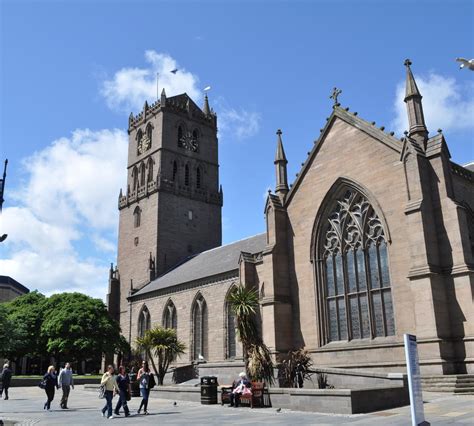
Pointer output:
x,y
171,208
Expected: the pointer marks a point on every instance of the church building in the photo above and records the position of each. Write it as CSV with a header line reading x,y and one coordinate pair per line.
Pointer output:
x,y
374,239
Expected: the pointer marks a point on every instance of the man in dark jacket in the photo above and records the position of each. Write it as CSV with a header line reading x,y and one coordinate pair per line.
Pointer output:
x,y
5,378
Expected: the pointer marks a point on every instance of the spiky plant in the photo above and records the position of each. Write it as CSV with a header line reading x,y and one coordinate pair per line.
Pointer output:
x,y
258,362
298,361
163,344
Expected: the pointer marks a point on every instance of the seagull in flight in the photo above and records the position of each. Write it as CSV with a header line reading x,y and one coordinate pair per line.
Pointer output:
x,y
174,71
466,63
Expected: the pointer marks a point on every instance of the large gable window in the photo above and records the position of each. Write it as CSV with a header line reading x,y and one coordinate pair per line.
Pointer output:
x,y
356,290
200,329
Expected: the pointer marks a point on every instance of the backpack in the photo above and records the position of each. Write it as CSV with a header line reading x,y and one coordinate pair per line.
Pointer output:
x,y
151,383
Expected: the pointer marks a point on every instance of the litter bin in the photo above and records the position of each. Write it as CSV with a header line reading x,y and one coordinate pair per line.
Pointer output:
x,y
208,390
134,384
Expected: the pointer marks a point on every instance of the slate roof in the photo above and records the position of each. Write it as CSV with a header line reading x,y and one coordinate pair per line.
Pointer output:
x,y
207,264
6,280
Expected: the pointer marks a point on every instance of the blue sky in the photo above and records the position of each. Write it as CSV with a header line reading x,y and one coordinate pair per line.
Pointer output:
x,y
72,71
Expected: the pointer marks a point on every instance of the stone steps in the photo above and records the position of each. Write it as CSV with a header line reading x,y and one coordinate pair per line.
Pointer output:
x,y
456,383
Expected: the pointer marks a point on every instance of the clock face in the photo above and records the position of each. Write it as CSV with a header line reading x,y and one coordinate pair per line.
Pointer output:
x,y
189,142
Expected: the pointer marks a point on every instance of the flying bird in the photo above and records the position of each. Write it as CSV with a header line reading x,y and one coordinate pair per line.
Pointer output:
x,y
466,63
207,88
3,238
174,71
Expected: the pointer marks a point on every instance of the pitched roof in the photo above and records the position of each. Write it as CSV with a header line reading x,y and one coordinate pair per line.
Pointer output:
x,y
207,264
6,280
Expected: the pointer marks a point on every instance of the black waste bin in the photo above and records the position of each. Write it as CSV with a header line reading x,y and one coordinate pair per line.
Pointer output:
x,y
134,384
208,390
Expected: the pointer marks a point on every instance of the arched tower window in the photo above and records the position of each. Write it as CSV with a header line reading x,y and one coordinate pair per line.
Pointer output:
x,y
180,135
144,321
139,141
231,337
200,328
135,178
142,173
170,316
175,170
137,216
356,290
149,131
186,175
198,177
150,170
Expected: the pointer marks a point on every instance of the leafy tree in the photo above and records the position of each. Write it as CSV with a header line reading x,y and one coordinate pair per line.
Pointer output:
x,y
258,361
163,344
79,327
9,335
25,314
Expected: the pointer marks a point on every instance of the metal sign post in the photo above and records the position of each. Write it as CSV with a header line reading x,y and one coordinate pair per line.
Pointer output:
x,y
414,380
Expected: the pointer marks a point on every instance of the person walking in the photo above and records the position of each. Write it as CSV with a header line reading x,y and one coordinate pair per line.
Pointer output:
x,y
110,383
144,378
125,391
50,380
65,382
5,379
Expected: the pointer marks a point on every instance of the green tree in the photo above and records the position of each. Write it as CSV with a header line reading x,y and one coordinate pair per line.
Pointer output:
x,y
79,327
9,334
258,361
25,313
163,344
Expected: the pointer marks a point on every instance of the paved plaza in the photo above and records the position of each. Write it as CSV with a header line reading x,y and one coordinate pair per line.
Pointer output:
x,y
25,408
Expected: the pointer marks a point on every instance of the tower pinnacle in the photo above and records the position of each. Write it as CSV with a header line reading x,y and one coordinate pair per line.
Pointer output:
x,y
280,168
416,119
206,110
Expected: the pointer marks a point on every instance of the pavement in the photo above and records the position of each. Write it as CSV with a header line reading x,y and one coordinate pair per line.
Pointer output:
x,y
25,408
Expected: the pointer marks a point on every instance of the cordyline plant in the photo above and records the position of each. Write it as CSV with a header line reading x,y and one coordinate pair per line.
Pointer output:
x,y
258,361
163,344
296,368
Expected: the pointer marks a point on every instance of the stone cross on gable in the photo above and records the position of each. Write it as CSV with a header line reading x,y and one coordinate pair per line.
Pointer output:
x,y
335,93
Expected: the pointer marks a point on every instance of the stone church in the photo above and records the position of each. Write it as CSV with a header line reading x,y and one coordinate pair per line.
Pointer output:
x,y
372,240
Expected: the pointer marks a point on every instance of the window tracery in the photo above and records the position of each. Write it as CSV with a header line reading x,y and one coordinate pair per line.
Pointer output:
x,y
357,289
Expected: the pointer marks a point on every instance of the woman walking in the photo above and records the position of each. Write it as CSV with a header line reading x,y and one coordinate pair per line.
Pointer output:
x,y
110,383
123,383
50,382
144,380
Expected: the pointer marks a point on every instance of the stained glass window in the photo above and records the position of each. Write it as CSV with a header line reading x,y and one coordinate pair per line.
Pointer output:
x,y
231,334
357,286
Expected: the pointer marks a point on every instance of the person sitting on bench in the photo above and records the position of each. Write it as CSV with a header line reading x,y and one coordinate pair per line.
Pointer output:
x,y
241,386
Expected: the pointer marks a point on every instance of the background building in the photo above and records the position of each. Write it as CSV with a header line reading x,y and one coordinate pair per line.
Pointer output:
x,y
10,289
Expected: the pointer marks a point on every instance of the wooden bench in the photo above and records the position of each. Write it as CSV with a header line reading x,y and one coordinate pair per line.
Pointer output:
x,y
259,398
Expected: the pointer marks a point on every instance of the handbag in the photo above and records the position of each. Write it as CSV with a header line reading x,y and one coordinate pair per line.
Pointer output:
x,y
42,384
151,383
102,392
128,396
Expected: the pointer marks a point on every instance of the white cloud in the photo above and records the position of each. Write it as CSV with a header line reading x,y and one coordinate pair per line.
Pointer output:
x,y
238,123
446,104
67,205
128,89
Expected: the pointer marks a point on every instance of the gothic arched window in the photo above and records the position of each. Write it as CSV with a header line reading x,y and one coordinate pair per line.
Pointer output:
x,y
356,281
144,321
139,141
150,170
198,177
135,178
142,174
149,131
231,325
137,217
170,316
200,328
186,175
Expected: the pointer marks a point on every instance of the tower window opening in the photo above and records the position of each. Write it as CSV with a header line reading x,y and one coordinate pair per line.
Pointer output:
x,y
186,175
